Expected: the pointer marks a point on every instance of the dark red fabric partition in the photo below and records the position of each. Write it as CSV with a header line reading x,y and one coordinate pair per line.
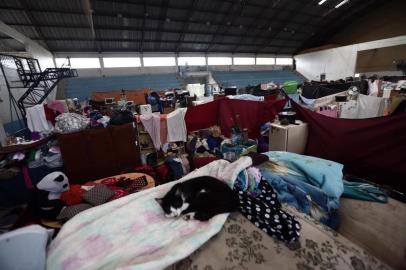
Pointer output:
x,y
374,148
223,112
202,116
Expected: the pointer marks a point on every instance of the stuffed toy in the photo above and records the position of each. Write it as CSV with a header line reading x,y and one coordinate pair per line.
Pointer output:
x,y
49,191
201,146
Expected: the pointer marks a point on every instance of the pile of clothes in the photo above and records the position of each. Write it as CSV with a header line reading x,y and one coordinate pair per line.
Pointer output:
x,y
355,100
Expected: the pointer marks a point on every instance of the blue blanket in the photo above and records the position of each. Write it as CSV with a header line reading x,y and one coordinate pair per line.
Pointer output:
x,y
305,181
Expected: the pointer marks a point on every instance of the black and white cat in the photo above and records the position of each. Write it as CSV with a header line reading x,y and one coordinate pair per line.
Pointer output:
x,y
199,198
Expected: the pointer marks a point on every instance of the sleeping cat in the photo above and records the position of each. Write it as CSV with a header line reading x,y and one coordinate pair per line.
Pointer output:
x,y
199,198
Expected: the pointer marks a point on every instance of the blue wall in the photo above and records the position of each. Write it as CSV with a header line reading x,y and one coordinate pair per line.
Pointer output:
x,y
82,88
245,78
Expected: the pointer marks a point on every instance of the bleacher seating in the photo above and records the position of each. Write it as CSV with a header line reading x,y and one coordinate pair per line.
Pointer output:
x,y
82,88
245,78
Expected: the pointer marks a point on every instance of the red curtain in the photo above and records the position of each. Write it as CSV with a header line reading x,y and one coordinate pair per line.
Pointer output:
x,y
373,148
223,112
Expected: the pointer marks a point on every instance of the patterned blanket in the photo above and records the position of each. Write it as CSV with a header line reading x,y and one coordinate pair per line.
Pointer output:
x,y
133,233
242,246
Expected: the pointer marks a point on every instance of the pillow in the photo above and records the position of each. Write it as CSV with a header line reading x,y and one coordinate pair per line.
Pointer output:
x,y
137,184
98,195
119,192
70,211
73,196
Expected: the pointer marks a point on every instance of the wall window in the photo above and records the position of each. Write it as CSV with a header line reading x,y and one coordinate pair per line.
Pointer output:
x,y
192,61
79,62
113,62
244,61
61,62
265,61
159,61
284,61
219,61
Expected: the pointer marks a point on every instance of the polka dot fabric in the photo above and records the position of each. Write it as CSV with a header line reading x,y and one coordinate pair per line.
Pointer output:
x,y
265,212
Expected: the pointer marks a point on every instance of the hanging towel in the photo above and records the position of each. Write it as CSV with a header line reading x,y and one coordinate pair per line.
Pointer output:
x,y
152,124
373,87
365,107
370,106
177,126
36,119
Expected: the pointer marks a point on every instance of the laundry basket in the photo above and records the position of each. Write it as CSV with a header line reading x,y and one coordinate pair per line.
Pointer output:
x,y
290,87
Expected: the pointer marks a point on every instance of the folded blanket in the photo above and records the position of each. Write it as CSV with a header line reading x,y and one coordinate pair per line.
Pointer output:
x,y
307,183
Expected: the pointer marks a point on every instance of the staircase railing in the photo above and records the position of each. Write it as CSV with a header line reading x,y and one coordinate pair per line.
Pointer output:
x,y
25,72
42,86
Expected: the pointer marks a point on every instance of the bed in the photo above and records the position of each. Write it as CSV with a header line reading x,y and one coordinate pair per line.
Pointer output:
x,y
241,245
132,233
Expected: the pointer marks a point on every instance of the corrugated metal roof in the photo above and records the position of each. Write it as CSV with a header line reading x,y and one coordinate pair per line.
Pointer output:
x,y
255,26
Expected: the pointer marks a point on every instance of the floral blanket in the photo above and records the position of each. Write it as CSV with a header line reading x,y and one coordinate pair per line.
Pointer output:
x,y
242,246
133,233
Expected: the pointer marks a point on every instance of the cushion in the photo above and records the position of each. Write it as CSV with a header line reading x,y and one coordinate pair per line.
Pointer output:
x,y
137,184
70,211
123,182
98,195
110,181
119,192
73,196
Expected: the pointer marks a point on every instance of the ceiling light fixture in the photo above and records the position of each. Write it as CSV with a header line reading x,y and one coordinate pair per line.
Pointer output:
x,y
322,2
342,3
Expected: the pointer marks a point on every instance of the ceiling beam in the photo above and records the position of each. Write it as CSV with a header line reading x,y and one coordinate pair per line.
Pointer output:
x,y
236,7
332,23
163,19
217,12
88,12
33,21
144,8
145,40
292,31
129,15
135,28
261,13
185,26
275,32
16,35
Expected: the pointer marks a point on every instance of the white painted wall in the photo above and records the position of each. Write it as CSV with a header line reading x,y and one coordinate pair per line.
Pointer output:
x,y
5,115
338,63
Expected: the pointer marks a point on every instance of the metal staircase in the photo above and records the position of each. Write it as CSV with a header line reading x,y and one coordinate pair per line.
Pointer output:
x,y
20,72
40,85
